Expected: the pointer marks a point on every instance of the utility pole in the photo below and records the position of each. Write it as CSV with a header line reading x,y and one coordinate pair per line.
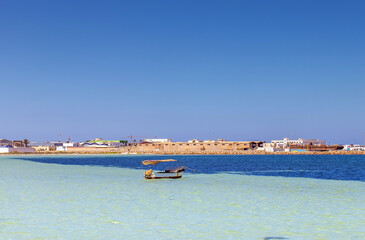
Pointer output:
x,y
59,138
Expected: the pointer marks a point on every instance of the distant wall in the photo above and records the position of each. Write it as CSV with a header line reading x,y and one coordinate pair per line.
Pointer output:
x,y
23,150
94,149
19,150
4,150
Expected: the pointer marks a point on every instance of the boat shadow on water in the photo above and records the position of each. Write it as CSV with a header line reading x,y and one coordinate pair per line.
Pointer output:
x,y
272,238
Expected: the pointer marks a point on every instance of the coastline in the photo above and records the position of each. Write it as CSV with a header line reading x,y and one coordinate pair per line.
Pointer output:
x,y
162,153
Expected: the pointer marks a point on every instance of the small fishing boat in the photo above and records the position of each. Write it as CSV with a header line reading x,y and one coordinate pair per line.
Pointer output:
x,y
168,173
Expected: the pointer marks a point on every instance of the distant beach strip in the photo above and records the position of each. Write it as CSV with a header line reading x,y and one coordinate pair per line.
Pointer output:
x,y
192,147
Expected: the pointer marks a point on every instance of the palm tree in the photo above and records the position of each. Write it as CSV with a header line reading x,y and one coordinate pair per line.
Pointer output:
x,y
26,142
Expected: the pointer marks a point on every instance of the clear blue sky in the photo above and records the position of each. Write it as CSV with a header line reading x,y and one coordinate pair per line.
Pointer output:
x,y
240,70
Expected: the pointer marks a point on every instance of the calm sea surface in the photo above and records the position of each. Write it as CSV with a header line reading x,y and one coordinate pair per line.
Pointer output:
x,y
220,197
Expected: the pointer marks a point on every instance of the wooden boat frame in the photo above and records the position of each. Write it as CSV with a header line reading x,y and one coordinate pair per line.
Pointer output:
x,y
168,173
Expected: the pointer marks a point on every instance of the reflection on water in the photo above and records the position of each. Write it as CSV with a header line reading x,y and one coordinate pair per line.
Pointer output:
x,y
52,201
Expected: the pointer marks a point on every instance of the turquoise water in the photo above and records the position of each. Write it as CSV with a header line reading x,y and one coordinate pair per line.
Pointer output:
x,y
54,201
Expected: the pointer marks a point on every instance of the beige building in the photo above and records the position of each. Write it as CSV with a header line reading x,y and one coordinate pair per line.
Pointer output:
x,y
213,146
157,140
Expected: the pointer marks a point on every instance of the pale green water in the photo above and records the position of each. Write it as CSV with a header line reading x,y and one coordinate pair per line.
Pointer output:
x,y
49,201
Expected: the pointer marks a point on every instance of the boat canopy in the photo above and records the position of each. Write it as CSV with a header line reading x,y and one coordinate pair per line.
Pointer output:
x,y
154,162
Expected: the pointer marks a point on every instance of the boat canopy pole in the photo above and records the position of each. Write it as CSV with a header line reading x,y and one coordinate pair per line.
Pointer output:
x,y
155,162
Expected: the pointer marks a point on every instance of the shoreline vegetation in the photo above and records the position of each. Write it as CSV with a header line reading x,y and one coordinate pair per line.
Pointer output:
x,y
119,152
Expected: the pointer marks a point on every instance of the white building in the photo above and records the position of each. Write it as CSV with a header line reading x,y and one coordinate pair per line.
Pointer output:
x,y
301,142
353,147
4,149
71,144
268,147
61,148
99,142
94,144
158,140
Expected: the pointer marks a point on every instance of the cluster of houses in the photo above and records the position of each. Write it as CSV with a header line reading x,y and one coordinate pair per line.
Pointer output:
x,y
15,146
167,145
24,146
97,143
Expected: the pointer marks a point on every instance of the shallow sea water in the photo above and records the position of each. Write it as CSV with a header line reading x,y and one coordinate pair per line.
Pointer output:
x,y
55,201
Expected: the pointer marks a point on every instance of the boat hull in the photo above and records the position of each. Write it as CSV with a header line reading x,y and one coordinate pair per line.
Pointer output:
x,y
161,175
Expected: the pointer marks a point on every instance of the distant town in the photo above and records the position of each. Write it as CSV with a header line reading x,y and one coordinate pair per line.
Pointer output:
x,y
167,146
